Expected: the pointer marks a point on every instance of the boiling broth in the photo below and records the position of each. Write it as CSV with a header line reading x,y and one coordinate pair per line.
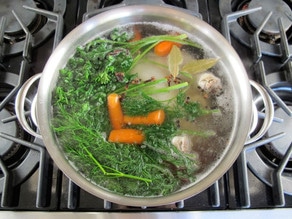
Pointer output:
x,y
81,121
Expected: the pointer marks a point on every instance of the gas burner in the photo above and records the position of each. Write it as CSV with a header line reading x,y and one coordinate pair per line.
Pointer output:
x,y
37,23
279,8
246,26
10,152
34,22
19,160
270,32
276,150
13,26
265,159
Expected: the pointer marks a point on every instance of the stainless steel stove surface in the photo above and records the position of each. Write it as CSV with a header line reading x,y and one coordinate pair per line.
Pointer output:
x,y
260,181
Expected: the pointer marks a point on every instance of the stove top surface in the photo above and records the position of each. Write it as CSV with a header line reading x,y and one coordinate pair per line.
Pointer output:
x,y
259,179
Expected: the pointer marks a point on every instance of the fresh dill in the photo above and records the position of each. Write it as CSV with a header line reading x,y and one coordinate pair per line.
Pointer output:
x,y
81,122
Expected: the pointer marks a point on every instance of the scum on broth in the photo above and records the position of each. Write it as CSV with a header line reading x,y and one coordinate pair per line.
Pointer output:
x,y
208,149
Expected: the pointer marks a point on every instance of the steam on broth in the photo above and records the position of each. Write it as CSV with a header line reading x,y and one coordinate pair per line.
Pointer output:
x,y
133,122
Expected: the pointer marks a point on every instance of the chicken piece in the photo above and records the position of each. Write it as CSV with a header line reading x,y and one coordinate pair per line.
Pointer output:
x,y
210,84
183,143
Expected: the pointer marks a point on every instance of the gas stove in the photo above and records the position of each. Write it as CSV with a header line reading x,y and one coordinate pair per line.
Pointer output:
x,y
260,181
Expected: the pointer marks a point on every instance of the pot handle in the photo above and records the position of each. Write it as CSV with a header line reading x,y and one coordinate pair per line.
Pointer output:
x,y
269,113
19,106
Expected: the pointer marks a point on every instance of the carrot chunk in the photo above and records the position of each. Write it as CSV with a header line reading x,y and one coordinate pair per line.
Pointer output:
x,y
126,136
115,111
153,118
137,35
163,48
156,117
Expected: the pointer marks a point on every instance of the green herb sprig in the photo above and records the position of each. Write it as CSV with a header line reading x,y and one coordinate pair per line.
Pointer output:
x,y
81,122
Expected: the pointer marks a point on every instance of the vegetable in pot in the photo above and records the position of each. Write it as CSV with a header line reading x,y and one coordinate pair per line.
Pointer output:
x,y
129,136
163,48
115,111
153,118
111,125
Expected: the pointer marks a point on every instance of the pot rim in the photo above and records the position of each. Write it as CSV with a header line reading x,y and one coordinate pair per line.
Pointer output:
x,y
125,14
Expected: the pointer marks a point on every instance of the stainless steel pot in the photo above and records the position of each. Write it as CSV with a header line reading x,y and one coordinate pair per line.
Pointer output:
x,y
234,71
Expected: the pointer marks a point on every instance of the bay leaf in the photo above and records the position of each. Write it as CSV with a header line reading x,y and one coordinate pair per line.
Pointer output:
x,y
174,60
199,65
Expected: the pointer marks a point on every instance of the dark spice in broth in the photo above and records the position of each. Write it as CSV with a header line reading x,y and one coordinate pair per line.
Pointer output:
x,y
90,127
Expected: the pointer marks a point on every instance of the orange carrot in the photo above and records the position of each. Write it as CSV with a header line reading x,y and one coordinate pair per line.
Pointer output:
x,y
115,111
163,48
127,136
153,118
137,35
156,117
